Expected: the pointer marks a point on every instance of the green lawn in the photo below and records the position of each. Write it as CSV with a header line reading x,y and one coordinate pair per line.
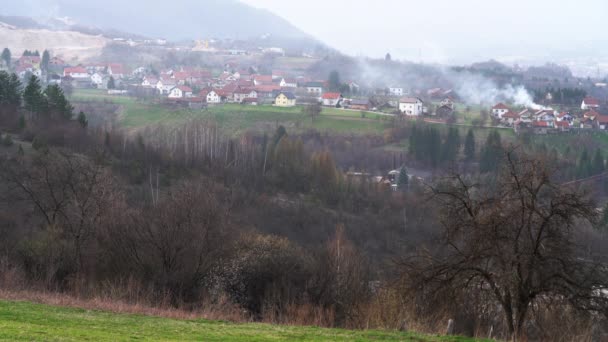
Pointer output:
x,y
24,321
235,118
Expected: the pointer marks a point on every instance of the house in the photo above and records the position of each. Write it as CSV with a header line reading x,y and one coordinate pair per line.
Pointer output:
x,y
509,118
76,72
262,80
590,103
411,106
314,88
243,93
353,87
602,122
447,102
359,104
164,86
180,92
116,70
285,99
499,110
542,127
252,101
563,126
288,83
97,79
567,117
149,82
332,99
395,91
212,96
444,111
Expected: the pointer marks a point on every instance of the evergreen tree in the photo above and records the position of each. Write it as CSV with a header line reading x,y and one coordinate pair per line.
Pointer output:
x,y
33,96
6,57
10,89
584,165
111,83
434,146
598,162
82,120
403,180
469,146
491,153
44,63
334,81
388,57
58,106
451,146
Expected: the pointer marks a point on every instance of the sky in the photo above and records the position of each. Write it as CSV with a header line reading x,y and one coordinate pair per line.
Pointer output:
x,y
447,31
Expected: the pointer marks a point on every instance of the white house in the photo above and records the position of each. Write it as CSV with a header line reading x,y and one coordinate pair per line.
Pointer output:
x,y
499,110
165,86
332,99
76,72
395,91
590,103
243,94
149,82
180,92
411,106
97,79
213,97
288,82
314,88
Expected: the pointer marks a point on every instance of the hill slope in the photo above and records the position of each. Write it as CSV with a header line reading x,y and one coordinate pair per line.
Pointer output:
x,y
174,20
67,44
34,322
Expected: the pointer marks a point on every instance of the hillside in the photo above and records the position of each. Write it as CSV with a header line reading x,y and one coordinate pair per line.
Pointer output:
x,y
34,322
66,44
173,20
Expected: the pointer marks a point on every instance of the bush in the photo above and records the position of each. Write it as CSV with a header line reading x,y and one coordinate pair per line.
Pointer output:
x,y
7,140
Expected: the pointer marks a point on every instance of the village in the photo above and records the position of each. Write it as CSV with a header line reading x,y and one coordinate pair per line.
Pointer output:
x,y
198,88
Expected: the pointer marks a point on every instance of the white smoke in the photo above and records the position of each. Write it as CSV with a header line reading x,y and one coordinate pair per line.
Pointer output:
x,y
476,89
473,89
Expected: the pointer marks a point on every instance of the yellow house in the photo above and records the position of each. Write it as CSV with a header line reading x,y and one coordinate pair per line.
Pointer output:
x,y
285,99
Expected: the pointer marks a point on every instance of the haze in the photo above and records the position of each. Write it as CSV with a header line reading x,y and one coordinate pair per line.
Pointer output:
x,y
452,31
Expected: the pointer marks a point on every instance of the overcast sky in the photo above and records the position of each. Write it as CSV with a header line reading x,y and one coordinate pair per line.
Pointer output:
x,y
452,30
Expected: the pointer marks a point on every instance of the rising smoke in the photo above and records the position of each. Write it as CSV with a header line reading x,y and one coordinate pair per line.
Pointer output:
x,y
472,88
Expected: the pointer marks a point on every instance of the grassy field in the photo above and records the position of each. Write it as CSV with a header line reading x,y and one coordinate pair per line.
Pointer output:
x,y
235,118
24,321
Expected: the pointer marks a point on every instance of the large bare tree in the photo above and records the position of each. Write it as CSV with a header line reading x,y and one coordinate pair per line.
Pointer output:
x,y
513,236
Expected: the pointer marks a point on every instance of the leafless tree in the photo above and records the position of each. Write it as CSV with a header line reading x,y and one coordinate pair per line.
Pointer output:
x,y
66,193
512,236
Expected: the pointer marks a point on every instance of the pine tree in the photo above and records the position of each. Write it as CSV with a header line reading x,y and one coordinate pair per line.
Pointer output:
x,y
451,146
584,165
598,162
10,89
33,96
44,63
388,57
491,153
82,120
469,146
334,81
111,83
403,180
6,57
57,104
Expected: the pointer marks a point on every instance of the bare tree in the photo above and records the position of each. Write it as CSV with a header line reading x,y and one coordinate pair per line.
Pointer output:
x,y
313,109
513,237
66,193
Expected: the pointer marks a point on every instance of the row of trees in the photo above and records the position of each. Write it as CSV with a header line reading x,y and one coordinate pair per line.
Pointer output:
x,y
6,57
427,144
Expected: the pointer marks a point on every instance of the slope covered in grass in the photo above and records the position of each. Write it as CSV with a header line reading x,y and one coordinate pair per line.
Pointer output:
x,y
25,321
